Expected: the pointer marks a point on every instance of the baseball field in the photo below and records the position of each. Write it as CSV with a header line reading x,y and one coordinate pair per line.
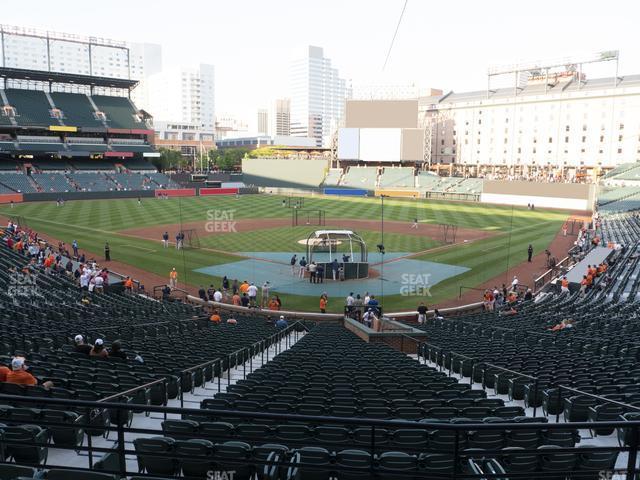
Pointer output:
x,y
251,237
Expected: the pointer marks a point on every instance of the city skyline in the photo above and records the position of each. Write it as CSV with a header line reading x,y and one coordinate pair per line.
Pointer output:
x,y
438,46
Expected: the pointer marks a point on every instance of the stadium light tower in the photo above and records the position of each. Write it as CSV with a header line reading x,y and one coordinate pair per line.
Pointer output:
x,y
543,68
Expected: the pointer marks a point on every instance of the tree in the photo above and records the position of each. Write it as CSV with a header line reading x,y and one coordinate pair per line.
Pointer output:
x,y
168,159
228,158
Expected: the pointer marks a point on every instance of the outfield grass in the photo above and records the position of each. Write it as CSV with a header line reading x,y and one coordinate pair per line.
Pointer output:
x,y
92,222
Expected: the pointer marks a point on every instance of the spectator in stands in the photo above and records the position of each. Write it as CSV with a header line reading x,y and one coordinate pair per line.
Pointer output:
x,y
20,376
348,302
252,292
98,284
107,252
281,323
528,295
373,303
74,245
98,349
244,300
273,304
244,287
3,373
173,278
116,351
369,317
217,295
225,284
234,286
202,293
166,292
279,302
128,285
302,267
324,300
564,284
232,321
215,317
80,345
293,262
235,300
437,315
422,313
514,282
529,253
264,294
488,300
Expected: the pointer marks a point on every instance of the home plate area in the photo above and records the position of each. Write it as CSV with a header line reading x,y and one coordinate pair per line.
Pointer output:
x,y
398,275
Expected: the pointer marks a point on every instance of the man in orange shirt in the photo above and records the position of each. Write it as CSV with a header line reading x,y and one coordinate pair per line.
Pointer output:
x,y
20,376
3,373
244,287
128,285
215,317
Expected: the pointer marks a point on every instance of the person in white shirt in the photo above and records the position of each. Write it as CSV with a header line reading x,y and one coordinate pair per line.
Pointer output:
x,y
252,293
99,282
84,279
515,282
369,318
217,295
367,297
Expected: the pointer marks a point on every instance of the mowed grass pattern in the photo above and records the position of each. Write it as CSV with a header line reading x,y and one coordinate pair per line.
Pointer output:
x,y
92,222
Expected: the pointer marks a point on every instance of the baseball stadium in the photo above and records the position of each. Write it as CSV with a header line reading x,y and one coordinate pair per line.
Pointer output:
x,y
427,297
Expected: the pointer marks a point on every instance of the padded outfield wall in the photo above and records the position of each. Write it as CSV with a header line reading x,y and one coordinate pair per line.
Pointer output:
x,y
284,172
568,196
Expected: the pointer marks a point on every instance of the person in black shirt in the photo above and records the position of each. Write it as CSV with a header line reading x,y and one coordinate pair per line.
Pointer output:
x,y
422,313
202,293
116,351
107,252
244,300
82,347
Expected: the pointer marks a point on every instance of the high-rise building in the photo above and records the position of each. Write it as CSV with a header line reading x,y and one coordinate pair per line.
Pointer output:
x,y
263,121
317,95
35,49
184,95
281,117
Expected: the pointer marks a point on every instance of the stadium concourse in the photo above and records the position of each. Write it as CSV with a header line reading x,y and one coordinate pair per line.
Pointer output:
x,y
545,388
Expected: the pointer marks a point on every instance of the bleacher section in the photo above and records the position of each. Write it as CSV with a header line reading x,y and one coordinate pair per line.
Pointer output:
x,y
619,199
427,181
91,182
86,144
333,177
39,143
52,182
18,182
79,164
32,107
76,110
131,181
361,177
119,112
402,177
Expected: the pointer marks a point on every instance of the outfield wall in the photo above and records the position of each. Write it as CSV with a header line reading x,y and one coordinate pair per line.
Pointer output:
x,y
11,197
283,172
346,192
397,193
568,196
